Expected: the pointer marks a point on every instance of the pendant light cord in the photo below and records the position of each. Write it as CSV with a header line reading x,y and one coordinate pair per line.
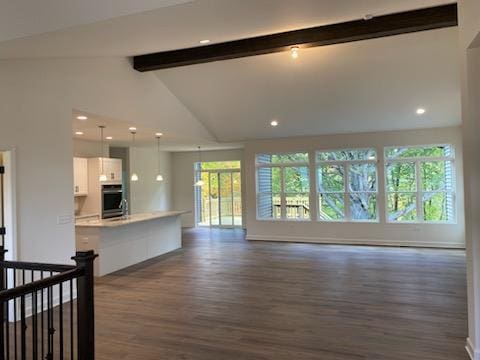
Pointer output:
x,y
158,153
101,144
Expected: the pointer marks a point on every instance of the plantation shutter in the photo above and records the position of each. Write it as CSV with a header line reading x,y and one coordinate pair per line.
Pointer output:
x,y
264,188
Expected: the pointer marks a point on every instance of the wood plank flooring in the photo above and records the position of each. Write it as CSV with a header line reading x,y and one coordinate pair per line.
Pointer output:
x,y
222,297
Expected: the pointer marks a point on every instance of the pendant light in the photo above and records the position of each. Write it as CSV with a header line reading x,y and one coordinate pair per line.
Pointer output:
x,y
134,176
102,176
159,176
200,182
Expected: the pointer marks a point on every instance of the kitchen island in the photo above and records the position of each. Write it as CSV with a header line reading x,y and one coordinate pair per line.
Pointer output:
x,y
128,240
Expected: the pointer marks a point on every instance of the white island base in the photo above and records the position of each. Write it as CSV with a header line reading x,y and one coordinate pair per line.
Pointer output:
x,y
122,242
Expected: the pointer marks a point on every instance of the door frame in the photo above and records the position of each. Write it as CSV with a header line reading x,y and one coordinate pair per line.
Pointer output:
x,y
219,171
10,203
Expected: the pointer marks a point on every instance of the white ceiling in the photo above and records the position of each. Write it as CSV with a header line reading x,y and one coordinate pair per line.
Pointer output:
x,y
21,18
170,27
371,85
145,136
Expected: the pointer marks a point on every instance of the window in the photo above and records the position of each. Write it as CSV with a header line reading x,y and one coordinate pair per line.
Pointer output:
x,y
420,185
218,202
283,186
347,185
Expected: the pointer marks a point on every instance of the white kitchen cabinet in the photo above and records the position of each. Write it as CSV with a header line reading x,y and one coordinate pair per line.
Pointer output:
x,y
80,176
113,169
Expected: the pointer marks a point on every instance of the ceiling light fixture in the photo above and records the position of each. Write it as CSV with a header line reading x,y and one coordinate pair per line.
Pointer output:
x,y
198,174
204,41
294,52
82,117
159,176
79,133
134,176
421,111
133,128
158,134
109,138
102,176
274,123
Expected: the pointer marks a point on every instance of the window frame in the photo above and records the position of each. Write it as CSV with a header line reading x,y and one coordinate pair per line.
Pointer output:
x,y
283,194
346,184
419,192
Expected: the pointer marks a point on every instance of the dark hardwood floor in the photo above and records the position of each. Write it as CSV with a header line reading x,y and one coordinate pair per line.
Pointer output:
x,y
222,297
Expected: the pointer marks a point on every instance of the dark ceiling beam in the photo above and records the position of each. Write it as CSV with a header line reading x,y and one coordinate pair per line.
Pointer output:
x,y
381,26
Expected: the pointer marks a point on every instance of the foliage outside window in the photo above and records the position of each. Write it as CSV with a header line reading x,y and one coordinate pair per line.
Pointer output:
x,y
283,186
347,185
420,184
218,201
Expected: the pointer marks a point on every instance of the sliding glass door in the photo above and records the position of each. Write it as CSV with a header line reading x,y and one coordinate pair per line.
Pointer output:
x,y
219,199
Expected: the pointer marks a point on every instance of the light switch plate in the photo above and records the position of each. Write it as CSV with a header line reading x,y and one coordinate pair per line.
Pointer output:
x,y
64,219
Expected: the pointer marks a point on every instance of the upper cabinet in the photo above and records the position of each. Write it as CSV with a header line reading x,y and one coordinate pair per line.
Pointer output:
x,y
80,176
112,168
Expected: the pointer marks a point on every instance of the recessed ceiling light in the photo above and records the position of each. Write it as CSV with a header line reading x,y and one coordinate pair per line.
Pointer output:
x,y
159,134
79,133
274,123
204,41
82,117
108,138
421,111
133,128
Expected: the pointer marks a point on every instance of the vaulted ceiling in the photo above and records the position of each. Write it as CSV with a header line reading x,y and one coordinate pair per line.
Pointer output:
x,y
371,85
354,87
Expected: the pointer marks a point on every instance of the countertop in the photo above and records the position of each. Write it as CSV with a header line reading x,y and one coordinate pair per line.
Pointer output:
x,y
126,220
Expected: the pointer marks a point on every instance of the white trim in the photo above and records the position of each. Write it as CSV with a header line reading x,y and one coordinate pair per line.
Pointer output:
x,y
340,241
10,204
471,351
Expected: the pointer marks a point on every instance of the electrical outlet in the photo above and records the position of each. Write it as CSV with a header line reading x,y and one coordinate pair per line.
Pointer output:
x,y
64,219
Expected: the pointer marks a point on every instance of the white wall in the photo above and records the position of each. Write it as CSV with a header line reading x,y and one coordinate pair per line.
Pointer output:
x,y
37,98
147,194
183,190
468,11
89,149
469,14
442,235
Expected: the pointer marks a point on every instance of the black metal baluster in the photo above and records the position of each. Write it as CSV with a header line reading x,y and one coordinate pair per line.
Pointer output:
x,y
34,326
60,319
42,327
52,329
15,344
7,330
71,320
2,304
49,326
7,324
23,328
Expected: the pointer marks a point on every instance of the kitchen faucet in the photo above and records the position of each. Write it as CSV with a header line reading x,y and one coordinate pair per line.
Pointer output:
x,y
124,206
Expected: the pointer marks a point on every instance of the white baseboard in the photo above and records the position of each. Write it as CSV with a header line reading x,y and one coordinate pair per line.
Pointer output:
x,y
29,305
472,352
375,242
